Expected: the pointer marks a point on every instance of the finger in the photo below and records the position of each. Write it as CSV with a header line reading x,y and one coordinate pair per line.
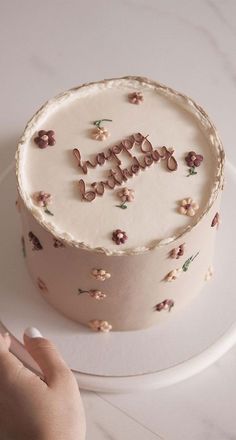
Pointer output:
x,y
9,364
44,352
5,342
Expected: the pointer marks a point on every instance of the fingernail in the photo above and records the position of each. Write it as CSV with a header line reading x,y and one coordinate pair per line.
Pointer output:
x,y
32,332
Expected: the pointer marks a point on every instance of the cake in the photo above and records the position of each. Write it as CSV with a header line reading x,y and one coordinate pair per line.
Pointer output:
x,y
119,185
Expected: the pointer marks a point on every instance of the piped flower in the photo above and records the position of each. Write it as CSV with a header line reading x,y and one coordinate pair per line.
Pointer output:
x,y
35,241
96,294
45,138
167,304
126,195
100,326
177,252
42,285
216,220
119,237
209,273
188,207
57,243
100,274
43,199
100,134
23,246
135,98
193,160
173,274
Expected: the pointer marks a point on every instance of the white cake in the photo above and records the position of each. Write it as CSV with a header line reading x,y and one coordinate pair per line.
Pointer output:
x,y
119,189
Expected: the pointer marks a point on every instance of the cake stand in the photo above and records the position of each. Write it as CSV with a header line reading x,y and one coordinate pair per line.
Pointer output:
x,y
181,346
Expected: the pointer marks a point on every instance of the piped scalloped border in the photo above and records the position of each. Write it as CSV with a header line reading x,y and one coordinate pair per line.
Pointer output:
x,y
65,237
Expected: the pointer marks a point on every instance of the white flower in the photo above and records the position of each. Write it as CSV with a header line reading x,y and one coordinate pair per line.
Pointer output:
x,y
99,325
188,207
173,274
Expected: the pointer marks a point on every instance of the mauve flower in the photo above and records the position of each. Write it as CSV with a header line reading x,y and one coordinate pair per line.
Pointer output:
x,y
216,220
173,274
167,304
119,236
136,97
57,243
42,285
188,207
35,241
101,274
126,195
177,252
193,159
42,198
99,325
100,133
45,138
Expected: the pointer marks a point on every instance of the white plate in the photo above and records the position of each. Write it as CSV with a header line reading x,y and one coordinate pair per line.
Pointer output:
x,y
180,347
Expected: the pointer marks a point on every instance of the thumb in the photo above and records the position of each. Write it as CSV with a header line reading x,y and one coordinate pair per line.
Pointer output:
x,y
47,357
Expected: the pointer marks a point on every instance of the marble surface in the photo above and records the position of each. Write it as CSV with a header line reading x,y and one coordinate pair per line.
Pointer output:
x,y
49,46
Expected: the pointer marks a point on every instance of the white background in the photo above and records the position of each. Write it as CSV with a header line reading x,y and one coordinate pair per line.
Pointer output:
x,y
49,46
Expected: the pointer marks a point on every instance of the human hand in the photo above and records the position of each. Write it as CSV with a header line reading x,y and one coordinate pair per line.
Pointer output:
x,y
33,409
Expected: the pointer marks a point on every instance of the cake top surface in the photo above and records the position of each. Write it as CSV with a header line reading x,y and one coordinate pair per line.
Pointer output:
x,y
155,150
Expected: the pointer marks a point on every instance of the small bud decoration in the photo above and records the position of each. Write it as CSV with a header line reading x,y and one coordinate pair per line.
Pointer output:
x,y
209,273
119,237
177,252
100,274
96,294
35,242
42,285
100,326
193,160
188,207
135,98
216,220
126,195
167,304
43,199
45,138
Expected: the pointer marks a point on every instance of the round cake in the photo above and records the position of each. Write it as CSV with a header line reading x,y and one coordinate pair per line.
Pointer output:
x,y
119,186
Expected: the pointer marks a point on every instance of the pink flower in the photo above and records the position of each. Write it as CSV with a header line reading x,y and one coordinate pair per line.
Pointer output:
x,y
193,159
167,304
100,133
177,252
188,207
99,325
100,274
119,236
45,138
126,195
135,97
